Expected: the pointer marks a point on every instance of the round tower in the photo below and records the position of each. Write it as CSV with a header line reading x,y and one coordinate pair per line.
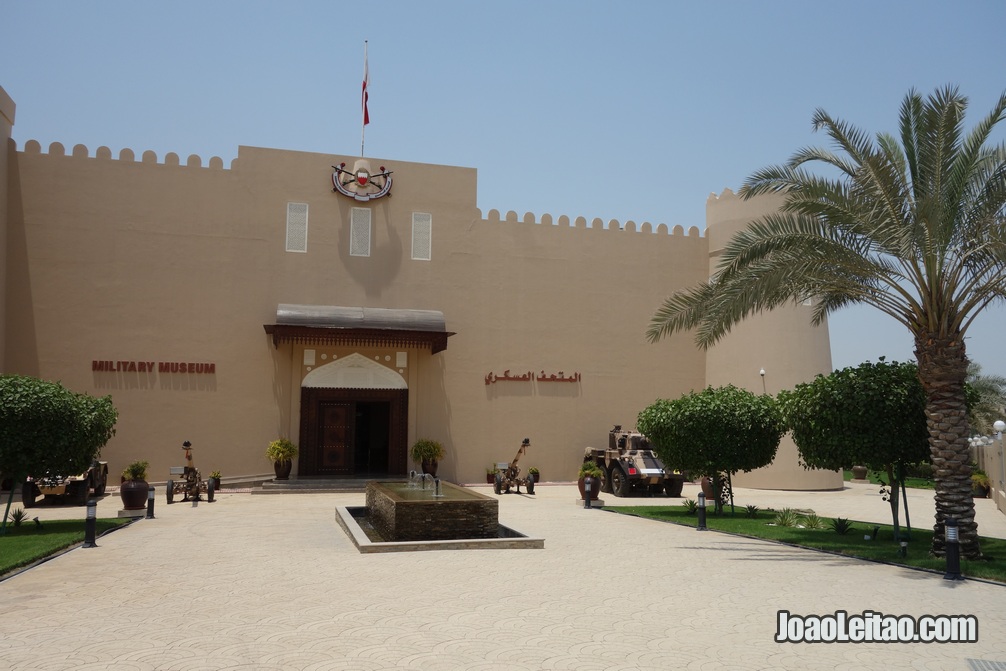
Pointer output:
x,y
767,352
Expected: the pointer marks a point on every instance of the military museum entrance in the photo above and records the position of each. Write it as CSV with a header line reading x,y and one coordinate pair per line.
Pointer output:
x,y
353,432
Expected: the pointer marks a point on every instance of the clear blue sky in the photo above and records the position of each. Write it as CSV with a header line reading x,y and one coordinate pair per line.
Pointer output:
x,y
618,110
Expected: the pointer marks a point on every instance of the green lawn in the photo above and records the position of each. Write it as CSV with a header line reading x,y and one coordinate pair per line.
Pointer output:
x,y
882,548
26,544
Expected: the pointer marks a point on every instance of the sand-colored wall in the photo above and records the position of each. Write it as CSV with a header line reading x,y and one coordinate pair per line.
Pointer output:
x,y
7,151
149,260
144,260
783,343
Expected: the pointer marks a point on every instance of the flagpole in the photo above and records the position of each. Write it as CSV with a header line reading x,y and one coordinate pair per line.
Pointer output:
x,y
366,82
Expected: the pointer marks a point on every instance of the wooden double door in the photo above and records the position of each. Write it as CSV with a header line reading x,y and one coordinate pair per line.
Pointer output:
x,y
353,432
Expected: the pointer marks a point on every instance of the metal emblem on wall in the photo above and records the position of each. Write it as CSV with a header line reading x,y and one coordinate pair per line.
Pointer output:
x,y
360,183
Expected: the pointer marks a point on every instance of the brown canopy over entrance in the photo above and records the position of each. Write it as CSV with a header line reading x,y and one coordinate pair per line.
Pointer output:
x,y
334,325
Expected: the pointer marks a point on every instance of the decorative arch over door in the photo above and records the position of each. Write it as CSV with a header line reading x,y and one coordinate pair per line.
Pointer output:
x,y
354,371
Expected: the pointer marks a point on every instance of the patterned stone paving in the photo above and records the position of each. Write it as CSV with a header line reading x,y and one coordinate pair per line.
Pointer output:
x,y
272,582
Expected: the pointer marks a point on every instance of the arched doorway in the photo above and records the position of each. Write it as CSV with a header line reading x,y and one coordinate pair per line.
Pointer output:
x,y
354,420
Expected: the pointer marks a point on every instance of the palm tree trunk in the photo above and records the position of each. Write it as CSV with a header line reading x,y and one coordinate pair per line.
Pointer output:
x,y
943,366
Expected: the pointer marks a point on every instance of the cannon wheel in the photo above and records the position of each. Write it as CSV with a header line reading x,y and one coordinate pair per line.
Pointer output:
x,y
498,484
169,491
619,483
530,484
28,495
209,490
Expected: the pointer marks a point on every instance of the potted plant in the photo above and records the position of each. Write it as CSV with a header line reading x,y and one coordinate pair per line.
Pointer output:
x,y
589,471
491,472
980,483
134,487
428,453
215,477
533,471
281,452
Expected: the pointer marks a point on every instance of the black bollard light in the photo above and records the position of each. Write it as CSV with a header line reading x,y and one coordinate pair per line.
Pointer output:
x,y
90,524
903,552
586,492
702,512
150,502
953,550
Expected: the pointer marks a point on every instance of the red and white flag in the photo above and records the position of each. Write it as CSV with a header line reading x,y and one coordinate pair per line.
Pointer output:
x,y
366,83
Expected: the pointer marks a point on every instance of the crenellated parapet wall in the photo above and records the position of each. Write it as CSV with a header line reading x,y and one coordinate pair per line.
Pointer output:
x,y
79,151
613,226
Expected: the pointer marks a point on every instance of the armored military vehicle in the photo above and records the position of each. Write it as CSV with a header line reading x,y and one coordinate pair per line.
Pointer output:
x,y
75,489
630,466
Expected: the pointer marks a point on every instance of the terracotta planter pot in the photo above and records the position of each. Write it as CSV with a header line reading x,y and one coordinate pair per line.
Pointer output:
x,y
859,472
430,467
595,487
707,489
134,494
490,478
283,469
536,476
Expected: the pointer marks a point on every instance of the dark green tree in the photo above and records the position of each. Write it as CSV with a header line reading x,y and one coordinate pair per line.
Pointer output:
x,y
914,226
714,433
48,431
871,415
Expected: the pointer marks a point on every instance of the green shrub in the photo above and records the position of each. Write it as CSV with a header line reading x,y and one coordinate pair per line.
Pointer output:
x,y
17,516
752,512
841,525
281,450
787,517
136,470
812,521
426,449
690,506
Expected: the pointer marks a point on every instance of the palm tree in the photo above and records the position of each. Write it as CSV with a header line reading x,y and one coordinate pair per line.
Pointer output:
x,y
987,399
914,226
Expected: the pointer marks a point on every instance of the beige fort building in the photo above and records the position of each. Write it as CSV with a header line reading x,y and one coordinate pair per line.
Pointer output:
x,y
354,306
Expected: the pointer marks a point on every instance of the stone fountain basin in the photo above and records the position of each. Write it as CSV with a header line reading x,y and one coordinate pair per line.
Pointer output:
x,y
398,518
400,512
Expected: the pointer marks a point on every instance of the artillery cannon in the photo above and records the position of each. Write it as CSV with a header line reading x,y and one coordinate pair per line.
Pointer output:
x,y
510,475
192,484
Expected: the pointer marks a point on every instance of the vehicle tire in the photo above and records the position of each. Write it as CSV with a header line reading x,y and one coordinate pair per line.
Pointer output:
x,y
605,480
498,484
169,491
673,488
619,483
209,490
78,493
28,495
100,483
530,484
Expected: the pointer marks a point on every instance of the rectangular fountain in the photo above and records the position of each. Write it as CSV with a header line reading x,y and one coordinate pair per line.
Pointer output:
x,y
401,512
403,517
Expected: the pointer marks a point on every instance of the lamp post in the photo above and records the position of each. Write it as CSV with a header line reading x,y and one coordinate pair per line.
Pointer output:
x,y
762,373
702,512
90,524
953,550
999,427
150,502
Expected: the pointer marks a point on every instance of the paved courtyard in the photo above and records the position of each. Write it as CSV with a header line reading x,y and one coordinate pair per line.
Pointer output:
x,y
271,582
